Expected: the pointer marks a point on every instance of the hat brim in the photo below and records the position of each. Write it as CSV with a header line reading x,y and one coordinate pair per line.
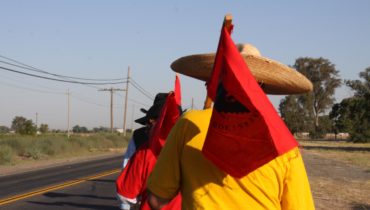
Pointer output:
x,y
142,120
276,78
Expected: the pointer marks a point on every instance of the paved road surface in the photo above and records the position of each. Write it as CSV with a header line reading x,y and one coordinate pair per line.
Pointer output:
x,y
99,193
71,174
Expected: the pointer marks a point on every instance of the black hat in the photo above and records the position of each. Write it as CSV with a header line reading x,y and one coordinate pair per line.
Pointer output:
x,y
154,110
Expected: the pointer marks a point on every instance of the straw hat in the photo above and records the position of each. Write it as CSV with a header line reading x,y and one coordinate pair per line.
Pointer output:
x,y
274,77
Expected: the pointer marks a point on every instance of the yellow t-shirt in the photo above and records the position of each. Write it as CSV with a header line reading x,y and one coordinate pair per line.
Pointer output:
x,y
280,184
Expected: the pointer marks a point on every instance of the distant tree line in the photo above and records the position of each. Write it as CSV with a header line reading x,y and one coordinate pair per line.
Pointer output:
x,y
316,112
24,126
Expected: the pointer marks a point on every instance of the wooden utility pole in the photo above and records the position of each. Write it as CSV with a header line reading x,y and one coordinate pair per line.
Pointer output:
x,y
36,120
125,108
132,117
192,103
68,114
111,90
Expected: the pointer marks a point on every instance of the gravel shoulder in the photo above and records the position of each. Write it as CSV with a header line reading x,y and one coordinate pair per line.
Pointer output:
x,y
336,184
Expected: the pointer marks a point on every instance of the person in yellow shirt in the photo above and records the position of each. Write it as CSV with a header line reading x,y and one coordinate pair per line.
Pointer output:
x,y
238,154
280,184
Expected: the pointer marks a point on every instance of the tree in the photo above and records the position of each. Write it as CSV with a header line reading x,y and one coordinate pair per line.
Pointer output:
x,y
101,129
293,114
23,126
325,79
76,129
353,114
44,128
326,125
4,129
339,114
79,129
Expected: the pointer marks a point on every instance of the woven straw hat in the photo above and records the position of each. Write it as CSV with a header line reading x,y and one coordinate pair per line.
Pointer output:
x,y
274,77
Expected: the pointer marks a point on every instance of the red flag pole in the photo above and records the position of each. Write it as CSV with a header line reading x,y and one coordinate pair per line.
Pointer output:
x,y
227,24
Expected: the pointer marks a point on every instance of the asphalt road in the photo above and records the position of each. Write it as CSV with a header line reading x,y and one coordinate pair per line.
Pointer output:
x,y
75,187
98,193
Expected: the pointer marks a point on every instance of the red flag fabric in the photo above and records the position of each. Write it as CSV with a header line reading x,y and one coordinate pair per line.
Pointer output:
x,y
245,131
177,90
169,114
132,180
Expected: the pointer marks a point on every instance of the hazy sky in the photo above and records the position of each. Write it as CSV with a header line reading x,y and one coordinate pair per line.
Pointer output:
x,y
100,39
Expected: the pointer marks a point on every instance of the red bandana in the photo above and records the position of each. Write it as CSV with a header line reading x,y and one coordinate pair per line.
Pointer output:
x,y
245,131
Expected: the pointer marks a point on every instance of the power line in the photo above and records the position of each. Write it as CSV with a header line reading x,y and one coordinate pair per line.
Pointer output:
x,y
145,94
82,97
57,93
133,100
30,89
138,102
29,83
61,80
29,67
89,102
138,86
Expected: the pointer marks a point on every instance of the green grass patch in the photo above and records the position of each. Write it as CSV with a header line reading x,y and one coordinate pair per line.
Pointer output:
x,y
18,147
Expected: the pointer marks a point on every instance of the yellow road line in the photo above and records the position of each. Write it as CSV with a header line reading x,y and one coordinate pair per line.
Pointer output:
x,y
56,187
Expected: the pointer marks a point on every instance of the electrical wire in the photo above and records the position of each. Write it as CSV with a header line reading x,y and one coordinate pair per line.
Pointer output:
x,y
28,67
61,80
2,76
145,94
137,84
133,100
89,102
30,89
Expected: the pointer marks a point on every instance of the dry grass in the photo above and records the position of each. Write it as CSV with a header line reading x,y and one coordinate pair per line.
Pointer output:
x,y
329,193
339,174
347,152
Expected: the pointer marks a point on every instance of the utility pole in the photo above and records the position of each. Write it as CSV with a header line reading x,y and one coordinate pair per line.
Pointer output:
x,y
132,117
111,104
36,120
68,114
125,108
192,103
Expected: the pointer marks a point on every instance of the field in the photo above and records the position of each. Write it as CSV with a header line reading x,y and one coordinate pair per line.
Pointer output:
x,y
339,174
17,149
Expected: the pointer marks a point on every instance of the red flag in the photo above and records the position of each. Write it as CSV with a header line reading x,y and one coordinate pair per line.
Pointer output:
x,y
245,131
169,114
132,180
131,183
177,90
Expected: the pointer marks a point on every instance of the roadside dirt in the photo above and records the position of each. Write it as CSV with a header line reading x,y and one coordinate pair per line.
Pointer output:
x,y
335,184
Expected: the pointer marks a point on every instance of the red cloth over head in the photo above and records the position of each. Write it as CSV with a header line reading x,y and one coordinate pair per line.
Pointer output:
x,y
245,131
132,180
169,114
